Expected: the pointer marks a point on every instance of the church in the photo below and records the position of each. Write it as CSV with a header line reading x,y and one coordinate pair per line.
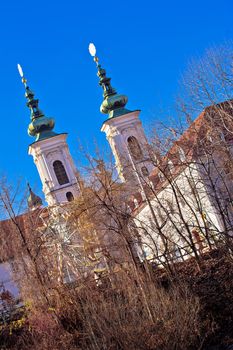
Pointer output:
x,y
180,200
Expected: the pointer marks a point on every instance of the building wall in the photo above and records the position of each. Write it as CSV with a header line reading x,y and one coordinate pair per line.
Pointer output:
x,y
180,209
118,130
44,153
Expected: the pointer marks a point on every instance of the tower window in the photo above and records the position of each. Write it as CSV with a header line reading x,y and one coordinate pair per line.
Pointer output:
x,y
134,148
145,171
60,172
169,164
69,196
161,176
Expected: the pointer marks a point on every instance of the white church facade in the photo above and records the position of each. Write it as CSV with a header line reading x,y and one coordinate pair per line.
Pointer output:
x,y
177,205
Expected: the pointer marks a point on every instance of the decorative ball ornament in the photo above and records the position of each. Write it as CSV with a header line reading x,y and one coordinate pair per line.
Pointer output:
x,y
20,70
92,49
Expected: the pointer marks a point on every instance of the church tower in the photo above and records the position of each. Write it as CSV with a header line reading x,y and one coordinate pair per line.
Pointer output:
x,y
123,130
51,154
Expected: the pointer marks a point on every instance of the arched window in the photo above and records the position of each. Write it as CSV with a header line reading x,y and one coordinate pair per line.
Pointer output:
x,y
222,136
135,202
170,165
145,171
69,196
60,172
134,148
161,176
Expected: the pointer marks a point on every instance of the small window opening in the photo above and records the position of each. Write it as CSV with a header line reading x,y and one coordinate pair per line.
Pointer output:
x,y
170,164
145,171
161,176
222,136
69,196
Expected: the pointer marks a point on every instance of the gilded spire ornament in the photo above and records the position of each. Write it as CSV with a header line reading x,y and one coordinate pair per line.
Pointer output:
x,y
41,126
113,103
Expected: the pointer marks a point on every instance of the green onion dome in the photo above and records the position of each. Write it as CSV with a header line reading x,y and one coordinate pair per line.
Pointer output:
x,y
33,200
41,126
113,103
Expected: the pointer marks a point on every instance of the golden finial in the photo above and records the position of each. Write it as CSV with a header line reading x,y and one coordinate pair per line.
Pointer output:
x,y
24,80
92,50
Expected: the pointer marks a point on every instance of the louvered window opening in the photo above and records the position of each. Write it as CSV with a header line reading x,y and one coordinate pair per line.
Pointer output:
x,y
134,148
60,172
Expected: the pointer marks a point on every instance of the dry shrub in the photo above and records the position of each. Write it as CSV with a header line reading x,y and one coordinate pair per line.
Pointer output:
x,y
36,329
135,315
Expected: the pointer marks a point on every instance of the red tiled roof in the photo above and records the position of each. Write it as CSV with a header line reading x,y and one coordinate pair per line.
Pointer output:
x,y
28,223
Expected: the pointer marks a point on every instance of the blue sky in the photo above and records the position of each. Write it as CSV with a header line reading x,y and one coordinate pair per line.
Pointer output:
x,y
144,46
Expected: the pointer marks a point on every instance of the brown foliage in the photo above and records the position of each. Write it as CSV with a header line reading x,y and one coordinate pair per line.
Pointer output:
x,y
118,318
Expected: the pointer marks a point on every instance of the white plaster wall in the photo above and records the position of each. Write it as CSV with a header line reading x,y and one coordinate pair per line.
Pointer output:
x,y
189,209
6,279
